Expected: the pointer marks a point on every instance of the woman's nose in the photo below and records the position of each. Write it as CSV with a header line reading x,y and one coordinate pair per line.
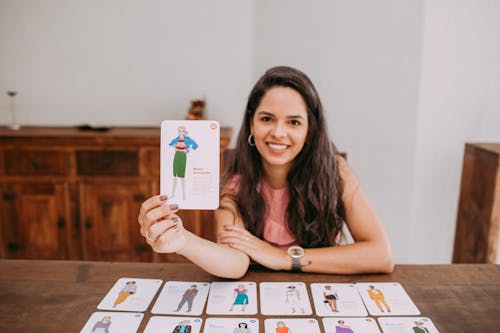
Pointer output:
x,y
279,130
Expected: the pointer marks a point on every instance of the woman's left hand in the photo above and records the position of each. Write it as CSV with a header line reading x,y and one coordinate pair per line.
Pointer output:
x,y
260,251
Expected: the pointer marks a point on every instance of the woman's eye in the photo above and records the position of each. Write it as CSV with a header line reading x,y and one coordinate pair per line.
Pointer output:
x,y
294,122
265,119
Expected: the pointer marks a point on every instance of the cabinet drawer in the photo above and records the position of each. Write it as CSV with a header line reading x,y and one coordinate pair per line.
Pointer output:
x,y
36,162
107,163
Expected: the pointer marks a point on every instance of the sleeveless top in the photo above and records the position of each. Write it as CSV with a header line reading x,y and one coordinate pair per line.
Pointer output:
x,y
275,227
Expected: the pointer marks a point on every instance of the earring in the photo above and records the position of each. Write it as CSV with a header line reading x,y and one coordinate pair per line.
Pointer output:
x,y
250,143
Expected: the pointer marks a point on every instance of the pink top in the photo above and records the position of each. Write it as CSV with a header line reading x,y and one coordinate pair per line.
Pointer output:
x,y
275,229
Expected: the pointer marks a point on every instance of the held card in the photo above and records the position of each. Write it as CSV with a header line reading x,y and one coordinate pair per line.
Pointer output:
x,y
189,163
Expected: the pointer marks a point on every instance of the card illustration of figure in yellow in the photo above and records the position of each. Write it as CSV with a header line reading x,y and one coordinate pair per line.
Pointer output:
x,y
378,297
129,289
182,145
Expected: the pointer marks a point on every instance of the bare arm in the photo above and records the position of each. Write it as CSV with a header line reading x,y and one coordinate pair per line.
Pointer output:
x,y
370,253
165,233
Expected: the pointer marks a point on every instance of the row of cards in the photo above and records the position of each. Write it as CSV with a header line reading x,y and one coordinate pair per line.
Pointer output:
x,y
127,322
276,298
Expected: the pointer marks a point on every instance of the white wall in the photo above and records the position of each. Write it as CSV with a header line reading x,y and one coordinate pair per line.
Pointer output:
x,y
364,58
124,62
405,83
459,102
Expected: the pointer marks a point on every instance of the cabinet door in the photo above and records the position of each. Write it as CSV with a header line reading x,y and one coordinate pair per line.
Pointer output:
x,y
108,217
33,220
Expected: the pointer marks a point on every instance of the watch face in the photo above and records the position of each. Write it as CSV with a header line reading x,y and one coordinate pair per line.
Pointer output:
x,y
295,251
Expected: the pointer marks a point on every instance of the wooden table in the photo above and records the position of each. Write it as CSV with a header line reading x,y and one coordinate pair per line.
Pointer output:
x,y
60,296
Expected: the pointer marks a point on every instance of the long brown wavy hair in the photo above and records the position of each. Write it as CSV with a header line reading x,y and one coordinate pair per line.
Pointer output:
x,y
315,213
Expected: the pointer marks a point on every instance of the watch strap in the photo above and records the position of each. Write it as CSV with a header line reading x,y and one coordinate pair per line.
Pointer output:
x,y
296,265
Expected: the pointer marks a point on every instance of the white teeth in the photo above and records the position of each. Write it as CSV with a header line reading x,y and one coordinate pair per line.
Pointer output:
x,y
278,147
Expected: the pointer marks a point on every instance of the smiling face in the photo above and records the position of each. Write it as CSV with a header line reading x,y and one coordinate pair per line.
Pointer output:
x,y
279,127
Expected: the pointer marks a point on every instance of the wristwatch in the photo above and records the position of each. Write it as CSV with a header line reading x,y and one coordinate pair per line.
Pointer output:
x,y
296,253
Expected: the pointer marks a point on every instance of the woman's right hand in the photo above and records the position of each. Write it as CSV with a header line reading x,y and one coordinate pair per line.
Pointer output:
x,y
161,227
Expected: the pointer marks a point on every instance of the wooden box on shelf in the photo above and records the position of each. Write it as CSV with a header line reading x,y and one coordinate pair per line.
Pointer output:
x,y
71,194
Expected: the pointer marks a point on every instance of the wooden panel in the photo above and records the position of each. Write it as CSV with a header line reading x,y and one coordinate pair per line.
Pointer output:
x,y
36,162
478,219
109,221
107,162
34,220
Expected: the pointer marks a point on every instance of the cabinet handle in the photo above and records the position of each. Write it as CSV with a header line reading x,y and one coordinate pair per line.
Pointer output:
x,y
139,197
141,248
13,246
35,164
88,223
9,196
61,223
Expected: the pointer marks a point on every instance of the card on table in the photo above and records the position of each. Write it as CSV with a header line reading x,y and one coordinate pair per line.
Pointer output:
x,y
407,324
163,324
231,325
113,322
232,298
284,298
291,325
130,294
386,299
182,297
350,325
337,299
189,164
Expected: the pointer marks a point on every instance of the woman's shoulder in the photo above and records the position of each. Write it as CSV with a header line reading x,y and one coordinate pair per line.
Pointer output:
x,y
232,185
350,182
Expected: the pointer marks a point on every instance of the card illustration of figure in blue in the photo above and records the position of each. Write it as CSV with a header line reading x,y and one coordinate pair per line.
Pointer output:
x,y
190,163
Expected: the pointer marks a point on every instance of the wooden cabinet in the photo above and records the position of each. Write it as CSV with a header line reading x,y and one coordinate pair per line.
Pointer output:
x,y
478,218
70,194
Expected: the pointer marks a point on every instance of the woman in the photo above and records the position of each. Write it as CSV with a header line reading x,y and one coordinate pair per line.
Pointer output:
x,y
285,197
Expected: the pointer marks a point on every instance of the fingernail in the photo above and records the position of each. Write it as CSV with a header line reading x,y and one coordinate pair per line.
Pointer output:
x,y
163,197
173,206
174,219
228,227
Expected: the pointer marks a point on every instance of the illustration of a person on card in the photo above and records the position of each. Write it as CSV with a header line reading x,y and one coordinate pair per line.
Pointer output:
x,y
182,145
188,297
129,289
378,297
183,327
342,328
240,297
102,326
293,299
330,298
242,328
419,327
282,328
